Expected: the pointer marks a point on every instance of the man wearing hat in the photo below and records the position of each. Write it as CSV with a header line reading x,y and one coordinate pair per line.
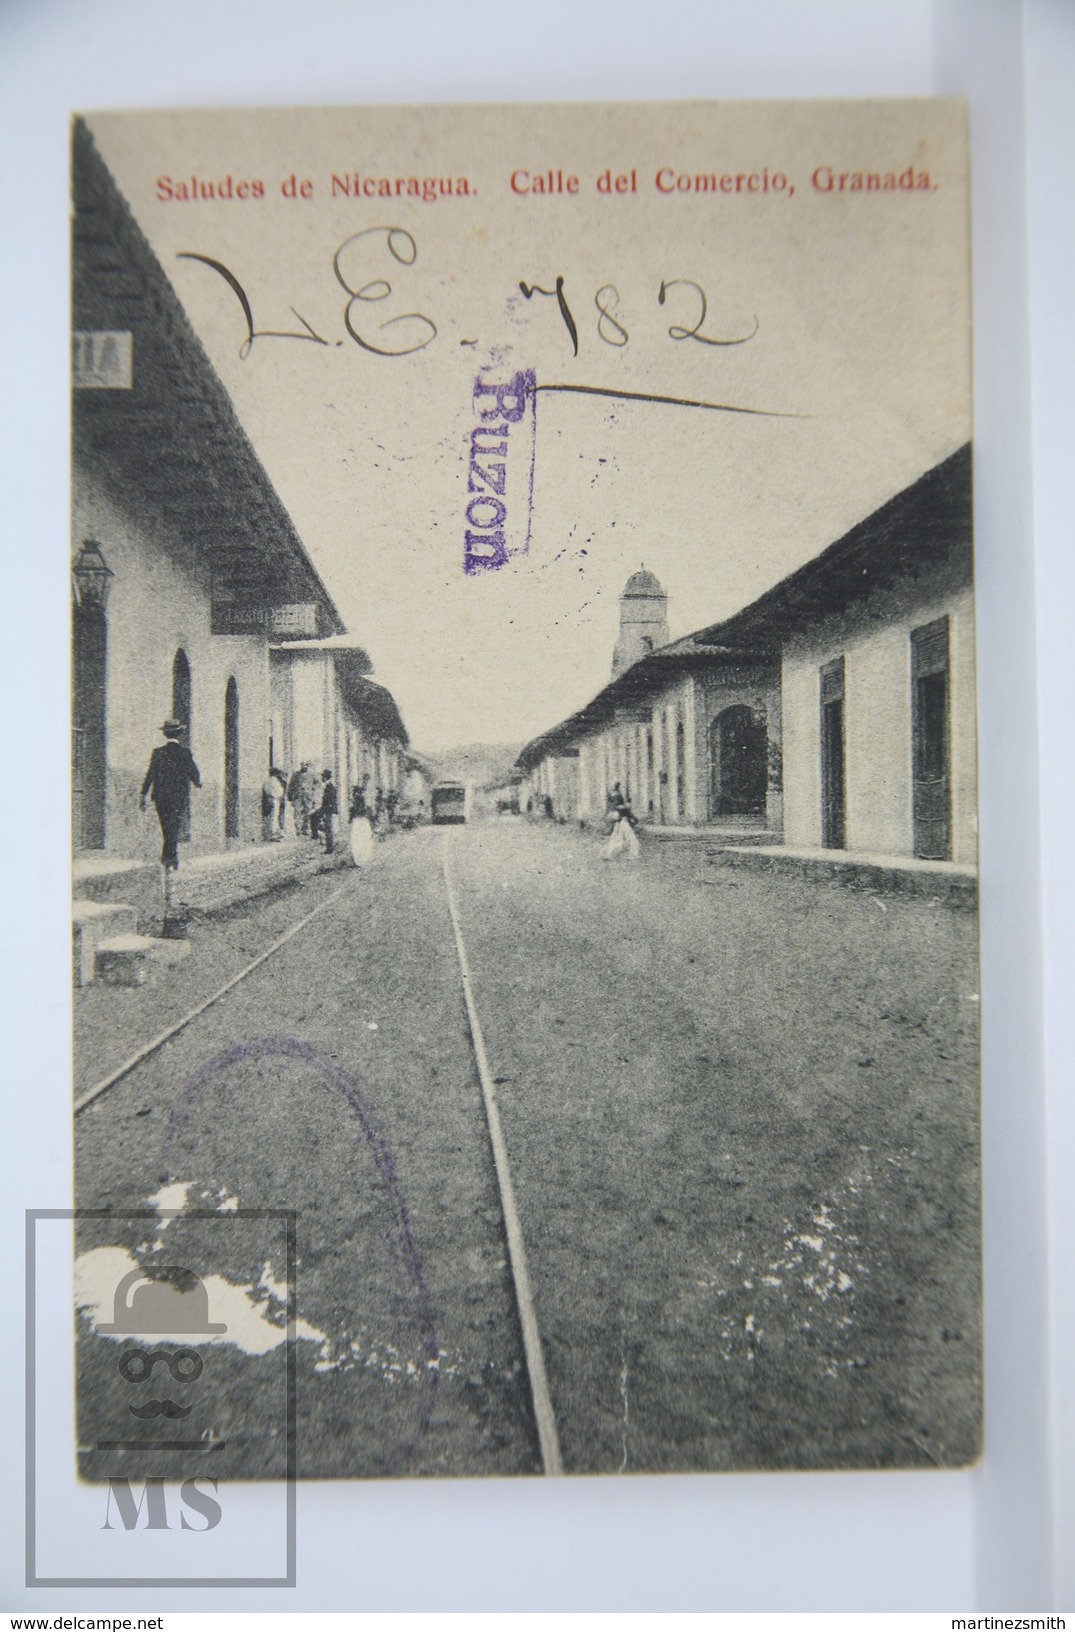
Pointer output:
x,y
328,811
168,782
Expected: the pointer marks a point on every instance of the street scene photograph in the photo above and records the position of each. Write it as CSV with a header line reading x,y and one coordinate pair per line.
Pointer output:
x,y
524,908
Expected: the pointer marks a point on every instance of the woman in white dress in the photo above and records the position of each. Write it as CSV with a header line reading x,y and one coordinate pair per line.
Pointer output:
x,y
622,840
361,829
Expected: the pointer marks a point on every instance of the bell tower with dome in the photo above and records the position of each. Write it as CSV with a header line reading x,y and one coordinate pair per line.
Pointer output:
x,y
643,620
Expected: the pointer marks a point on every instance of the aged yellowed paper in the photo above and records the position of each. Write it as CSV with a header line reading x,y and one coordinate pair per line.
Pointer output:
x,y
525,935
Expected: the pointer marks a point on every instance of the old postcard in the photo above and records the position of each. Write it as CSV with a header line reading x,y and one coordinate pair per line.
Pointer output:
x,y
524,910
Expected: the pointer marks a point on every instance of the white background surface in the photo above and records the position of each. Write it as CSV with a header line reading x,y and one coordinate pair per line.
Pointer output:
x,y
998,1537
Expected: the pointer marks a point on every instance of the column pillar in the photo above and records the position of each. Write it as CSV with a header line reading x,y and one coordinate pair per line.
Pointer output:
x,y
690,751
642,793
671,716
659,767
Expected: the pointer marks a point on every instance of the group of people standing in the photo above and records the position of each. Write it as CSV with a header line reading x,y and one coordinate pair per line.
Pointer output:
x,y
314,801
366,820
314,804
315,808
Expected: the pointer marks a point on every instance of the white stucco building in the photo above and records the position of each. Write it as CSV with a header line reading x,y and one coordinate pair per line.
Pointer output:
x,y
836,713
194,598
327,712
689,730
877,683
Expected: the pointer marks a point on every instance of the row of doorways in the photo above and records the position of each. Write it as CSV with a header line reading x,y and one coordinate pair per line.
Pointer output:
x,y
931,773
182,710
90,731
738,763
738,769
739,752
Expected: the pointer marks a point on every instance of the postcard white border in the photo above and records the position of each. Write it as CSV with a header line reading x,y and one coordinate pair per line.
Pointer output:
x,y
825,1542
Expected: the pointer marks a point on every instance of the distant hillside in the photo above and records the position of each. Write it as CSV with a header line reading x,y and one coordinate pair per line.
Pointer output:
x,y
480,764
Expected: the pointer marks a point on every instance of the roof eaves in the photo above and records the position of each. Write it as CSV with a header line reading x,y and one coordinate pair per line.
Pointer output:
x,y
221,454
911,528
631,688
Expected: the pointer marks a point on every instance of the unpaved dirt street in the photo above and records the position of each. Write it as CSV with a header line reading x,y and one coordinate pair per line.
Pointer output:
x,y
741,1116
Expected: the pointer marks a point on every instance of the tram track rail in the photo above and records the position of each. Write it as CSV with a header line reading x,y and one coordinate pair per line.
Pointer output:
x,y
144,1053
541,1399
533,1352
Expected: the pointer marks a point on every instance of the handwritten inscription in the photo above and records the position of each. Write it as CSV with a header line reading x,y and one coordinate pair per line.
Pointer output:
x,y
240,294
614,332
362,260
400,245
565,309
359,255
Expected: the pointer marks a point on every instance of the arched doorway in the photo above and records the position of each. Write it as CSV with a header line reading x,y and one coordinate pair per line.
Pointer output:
x,y
231,760
181,690
88,780
182,711
738,763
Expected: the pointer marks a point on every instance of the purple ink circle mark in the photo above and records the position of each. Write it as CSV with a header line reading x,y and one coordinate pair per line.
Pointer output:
x,y
343,1084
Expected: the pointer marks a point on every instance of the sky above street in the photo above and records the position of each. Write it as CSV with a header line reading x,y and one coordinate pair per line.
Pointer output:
x,y
848,307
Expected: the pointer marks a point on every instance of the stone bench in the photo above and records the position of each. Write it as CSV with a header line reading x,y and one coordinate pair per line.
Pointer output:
x,y
91,923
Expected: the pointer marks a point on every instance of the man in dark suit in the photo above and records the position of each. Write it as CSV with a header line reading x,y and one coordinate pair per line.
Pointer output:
x,y
328,811
172,772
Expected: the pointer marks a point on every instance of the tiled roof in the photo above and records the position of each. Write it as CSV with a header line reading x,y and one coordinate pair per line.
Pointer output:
x,y
173,445
927,525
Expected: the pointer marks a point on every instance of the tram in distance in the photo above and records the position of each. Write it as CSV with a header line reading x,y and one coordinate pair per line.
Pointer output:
x,y
450,803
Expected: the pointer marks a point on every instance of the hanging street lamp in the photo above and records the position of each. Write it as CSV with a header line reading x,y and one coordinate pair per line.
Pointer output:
x,y
91,578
